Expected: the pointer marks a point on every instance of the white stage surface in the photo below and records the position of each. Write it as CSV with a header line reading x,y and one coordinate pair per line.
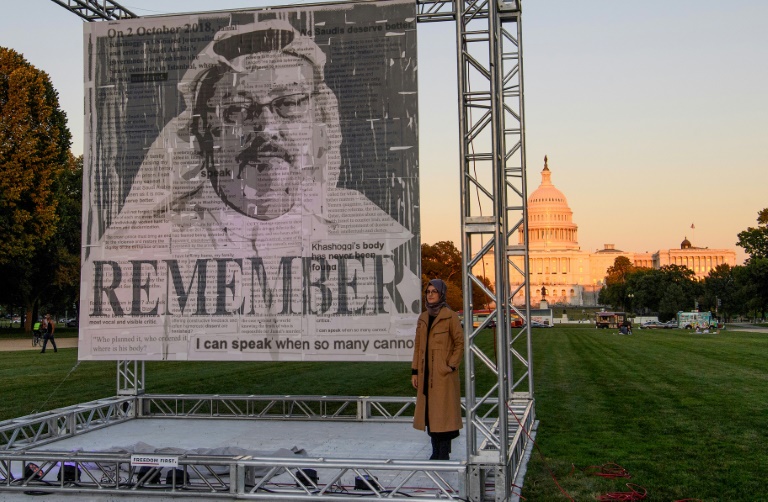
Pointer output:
x,y
368,440
362,441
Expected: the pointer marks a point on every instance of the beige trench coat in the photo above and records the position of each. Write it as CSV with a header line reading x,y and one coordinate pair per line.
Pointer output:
x,y
446,349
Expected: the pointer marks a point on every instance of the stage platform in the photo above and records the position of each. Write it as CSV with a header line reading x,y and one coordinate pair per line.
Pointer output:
x,y
321,440
378,441
348,441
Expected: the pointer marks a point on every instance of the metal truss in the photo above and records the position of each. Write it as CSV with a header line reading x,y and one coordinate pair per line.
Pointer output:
x,y
130,378
96,10
258,478
316,408
46,427
265,478
435,10
494,208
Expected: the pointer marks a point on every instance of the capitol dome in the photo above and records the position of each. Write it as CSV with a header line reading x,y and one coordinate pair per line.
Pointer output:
x,y
550,220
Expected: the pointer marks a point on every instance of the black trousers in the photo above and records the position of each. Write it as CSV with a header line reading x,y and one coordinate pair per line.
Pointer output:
x,y
47,337
441,444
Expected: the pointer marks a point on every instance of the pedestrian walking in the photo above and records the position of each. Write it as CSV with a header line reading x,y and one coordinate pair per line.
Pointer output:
x,y
50,327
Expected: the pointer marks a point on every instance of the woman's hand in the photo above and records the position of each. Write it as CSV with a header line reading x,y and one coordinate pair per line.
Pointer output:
x,y
415,381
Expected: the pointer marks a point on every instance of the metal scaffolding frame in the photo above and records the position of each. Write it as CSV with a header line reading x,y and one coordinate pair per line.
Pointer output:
x,y
96,10
499,402
228,477
130,378
494,208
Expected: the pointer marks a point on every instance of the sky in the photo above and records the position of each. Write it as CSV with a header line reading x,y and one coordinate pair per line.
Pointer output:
x,y
653,114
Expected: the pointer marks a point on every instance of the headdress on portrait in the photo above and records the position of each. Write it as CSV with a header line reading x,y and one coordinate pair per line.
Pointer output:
x,y
226,54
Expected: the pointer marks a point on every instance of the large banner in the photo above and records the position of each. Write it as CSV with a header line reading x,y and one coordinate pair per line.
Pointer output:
x,y
251,185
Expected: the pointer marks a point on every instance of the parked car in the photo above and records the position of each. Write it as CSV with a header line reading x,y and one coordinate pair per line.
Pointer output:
x,y
670,324
653,325
72,323
537,324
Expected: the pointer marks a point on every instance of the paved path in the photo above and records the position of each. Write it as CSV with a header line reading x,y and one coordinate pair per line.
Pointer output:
x,y
25,343
745,326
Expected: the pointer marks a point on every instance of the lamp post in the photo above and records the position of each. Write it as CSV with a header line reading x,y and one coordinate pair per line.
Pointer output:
x,y
629,298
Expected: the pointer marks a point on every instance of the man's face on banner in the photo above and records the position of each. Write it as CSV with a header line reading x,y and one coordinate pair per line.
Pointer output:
x,y
265,116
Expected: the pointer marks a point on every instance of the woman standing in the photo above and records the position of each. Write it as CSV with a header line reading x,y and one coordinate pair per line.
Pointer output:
x,y
437,353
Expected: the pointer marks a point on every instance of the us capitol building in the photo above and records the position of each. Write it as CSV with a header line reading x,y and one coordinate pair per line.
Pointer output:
x,y
571,276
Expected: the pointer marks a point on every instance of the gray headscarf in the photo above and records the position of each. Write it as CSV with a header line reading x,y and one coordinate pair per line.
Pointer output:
x,y
441,287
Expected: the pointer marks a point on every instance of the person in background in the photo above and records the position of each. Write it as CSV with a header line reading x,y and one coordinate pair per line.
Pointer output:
x,y
50,327
437,353
43,327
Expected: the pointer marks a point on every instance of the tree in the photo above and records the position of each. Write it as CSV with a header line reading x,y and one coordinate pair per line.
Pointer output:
x,y
754,240
645,284
665,291
442,260
755,279
34,150
64,248
751,280
720,291
480,299
680,290
617,273
615,291
49,277
672,301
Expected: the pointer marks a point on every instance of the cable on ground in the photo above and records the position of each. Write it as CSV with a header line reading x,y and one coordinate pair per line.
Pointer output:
x,y
42,406
636,492
608,470
543,459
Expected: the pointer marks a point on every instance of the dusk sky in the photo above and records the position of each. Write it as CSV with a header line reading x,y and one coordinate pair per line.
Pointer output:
x,y
654,114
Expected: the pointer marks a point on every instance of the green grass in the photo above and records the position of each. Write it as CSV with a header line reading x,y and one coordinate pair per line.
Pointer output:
x,y
685,414
28,379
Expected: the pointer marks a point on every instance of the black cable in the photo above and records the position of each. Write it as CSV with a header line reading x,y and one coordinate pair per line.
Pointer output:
x,y
57,387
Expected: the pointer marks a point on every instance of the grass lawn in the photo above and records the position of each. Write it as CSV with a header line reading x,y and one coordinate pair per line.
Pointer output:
x,y
685,414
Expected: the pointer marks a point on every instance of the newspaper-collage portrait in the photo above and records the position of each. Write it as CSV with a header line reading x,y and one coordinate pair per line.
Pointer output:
x,y
250,185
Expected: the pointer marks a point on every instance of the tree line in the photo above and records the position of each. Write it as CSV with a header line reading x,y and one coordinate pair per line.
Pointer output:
x,y
728,291
40,195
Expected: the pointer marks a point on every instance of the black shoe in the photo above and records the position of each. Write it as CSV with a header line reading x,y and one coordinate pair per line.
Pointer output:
x,y
55,350
42,352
